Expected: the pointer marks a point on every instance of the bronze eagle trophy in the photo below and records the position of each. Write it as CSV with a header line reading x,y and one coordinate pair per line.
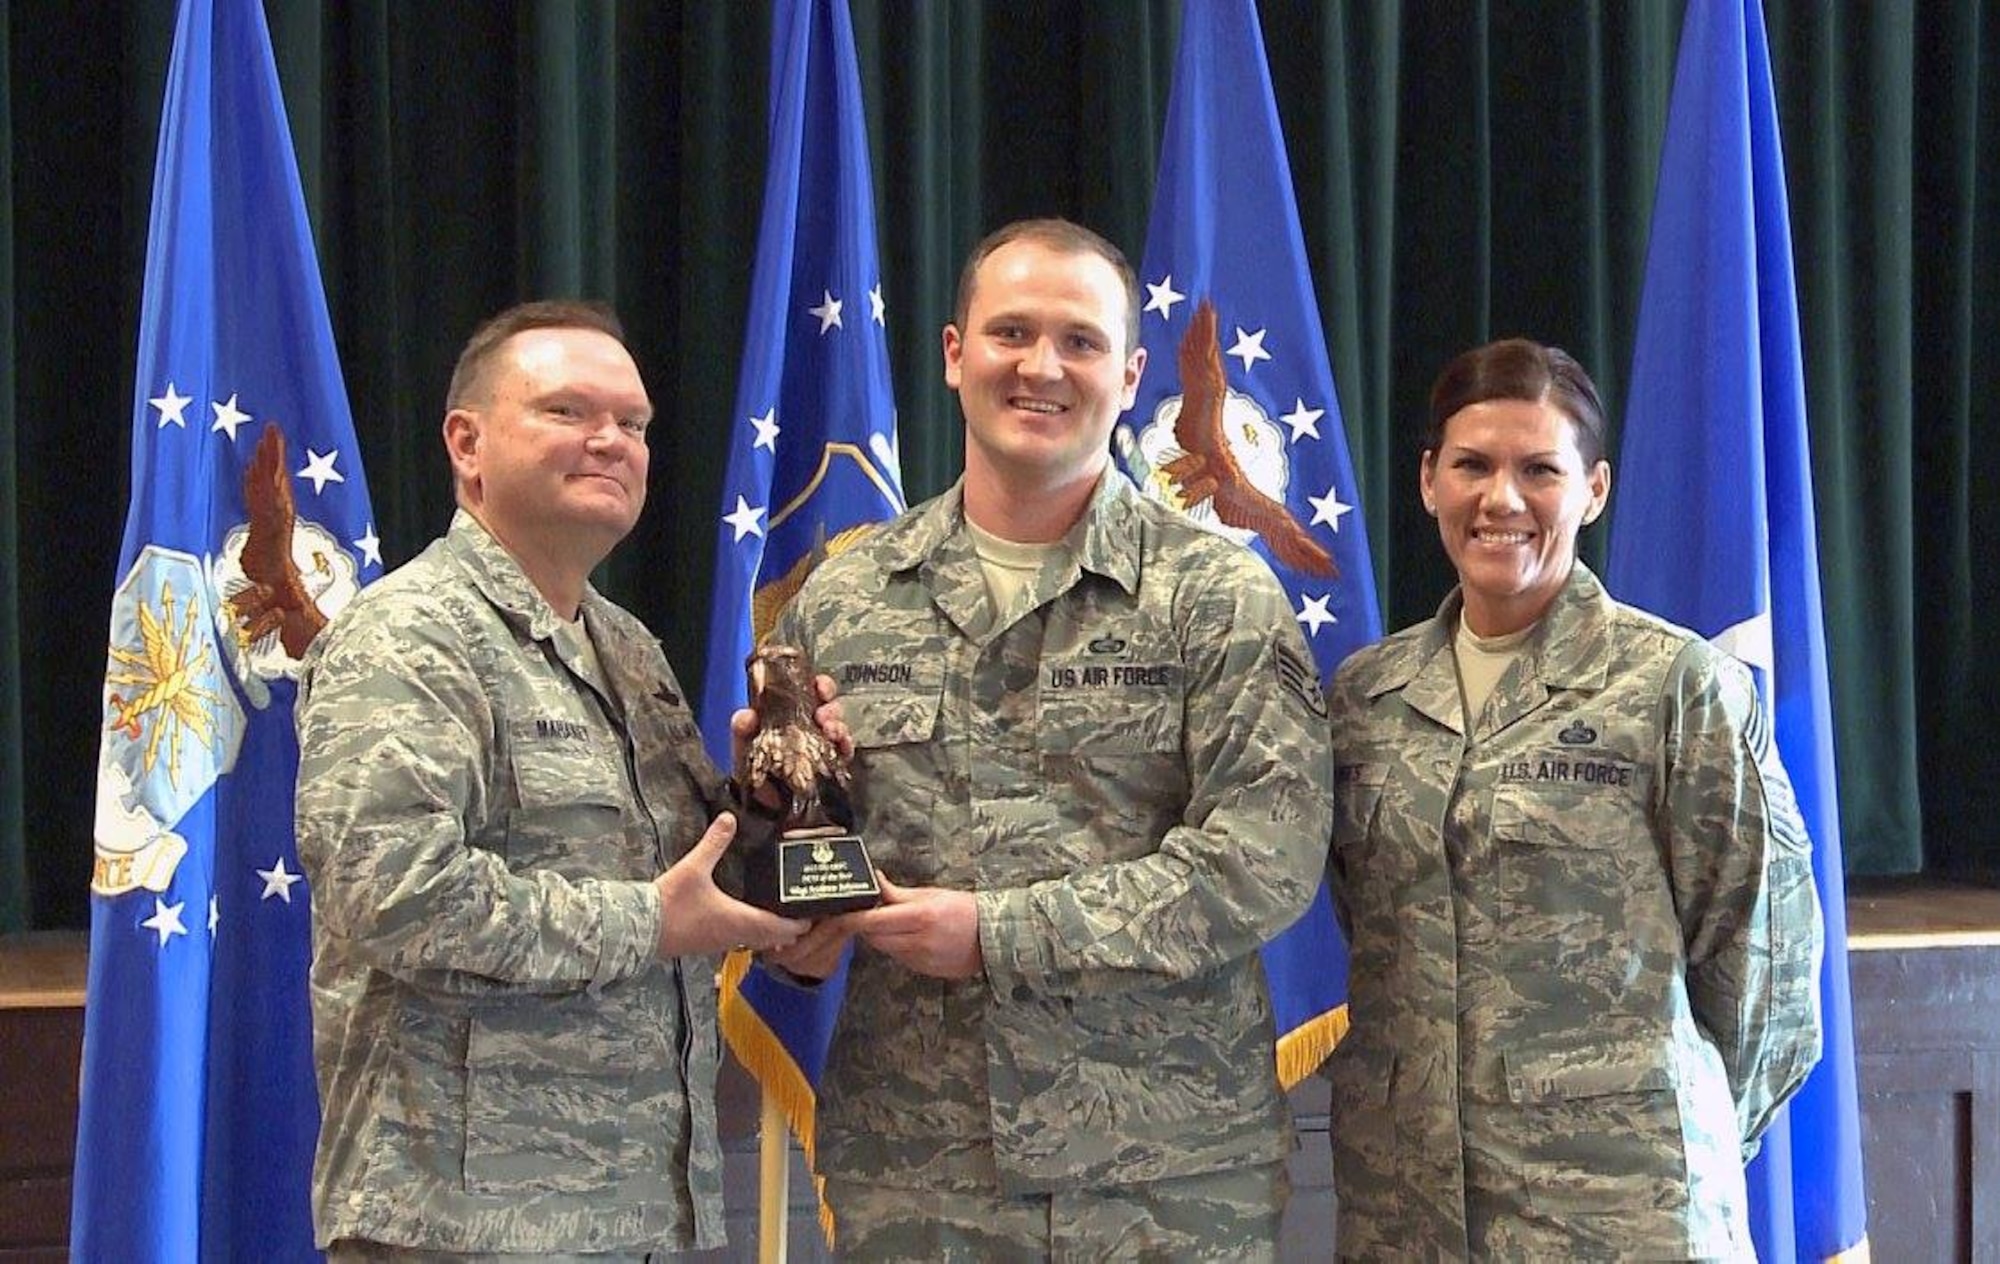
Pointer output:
x,y
794,836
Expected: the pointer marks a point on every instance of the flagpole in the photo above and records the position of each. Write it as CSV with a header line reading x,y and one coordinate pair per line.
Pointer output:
x,y
774,1174
812,462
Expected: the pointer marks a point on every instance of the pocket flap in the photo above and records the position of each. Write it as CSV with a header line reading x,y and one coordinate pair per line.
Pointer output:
x,y
566,771
883,717
1559,1076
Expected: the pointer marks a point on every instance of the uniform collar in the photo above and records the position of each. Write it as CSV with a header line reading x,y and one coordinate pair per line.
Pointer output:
x,y
1107,540
1572,642
1568,649
500,578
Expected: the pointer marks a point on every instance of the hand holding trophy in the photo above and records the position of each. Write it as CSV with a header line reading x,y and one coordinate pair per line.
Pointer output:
x,y
795,835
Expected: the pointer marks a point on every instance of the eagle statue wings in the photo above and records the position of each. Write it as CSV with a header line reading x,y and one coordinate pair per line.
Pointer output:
x,y
1208,471
275,599
788,758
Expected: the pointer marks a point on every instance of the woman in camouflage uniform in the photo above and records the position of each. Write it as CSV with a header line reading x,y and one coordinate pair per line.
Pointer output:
x,y
1578,890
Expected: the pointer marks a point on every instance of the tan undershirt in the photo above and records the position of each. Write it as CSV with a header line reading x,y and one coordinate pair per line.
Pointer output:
x,y
1482,661
586,660
1008,567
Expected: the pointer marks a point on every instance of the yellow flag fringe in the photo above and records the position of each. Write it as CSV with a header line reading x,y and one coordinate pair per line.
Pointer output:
x,y
1304,1047
758,1048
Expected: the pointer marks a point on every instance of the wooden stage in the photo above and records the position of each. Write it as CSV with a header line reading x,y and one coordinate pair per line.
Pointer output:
x,y
1924,961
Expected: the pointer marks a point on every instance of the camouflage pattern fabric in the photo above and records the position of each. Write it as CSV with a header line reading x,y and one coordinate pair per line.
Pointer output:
x,y
505,1065
1585,944
1231,1217
349,1251
1129,769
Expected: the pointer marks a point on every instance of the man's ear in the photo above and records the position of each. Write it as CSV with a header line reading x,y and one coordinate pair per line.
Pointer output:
x,y
1135,368
462,434
954,349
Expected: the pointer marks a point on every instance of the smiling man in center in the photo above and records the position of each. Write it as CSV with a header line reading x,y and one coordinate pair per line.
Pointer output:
x,y
1096,782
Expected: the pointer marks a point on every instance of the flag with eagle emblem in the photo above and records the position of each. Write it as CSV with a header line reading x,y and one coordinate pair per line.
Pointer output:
x,y
1236,423
248,528
812,453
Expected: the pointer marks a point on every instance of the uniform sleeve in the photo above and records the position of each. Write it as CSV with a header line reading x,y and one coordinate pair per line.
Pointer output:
x,y
1741,866
1250,850
394,743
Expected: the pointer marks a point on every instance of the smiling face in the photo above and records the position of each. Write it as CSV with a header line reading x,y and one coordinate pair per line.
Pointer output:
x,y
550,453
1510,489
1041,367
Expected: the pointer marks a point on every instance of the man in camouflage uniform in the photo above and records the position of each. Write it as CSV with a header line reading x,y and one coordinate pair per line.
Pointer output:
x,y
514,1025
1585,940
1091,763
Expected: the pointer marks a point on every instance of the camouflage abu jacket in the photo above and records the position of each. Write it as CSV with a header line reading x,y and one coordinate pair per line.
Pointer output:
x,y
1129,769
1585,944
504,1062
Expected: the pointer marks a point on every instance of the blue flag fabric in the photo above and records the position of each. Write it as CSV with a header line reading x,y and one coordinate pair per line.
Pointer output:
x,y
812,449
248,526
1225,234
1712,527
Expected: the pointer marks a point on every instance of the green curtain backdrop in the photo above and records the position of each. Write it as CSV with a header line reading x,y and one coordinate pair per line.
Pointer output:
x,y
1464,170
13,854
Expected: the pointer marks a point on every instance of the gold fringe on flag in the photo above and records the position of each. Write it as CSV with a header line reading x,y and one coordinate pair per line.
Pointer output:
x,y
1304,1047
763,1055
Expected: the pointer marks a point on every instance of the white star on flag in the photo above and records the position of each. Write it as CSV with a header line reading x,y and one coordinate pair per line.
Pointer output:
x,y
166,920
828,312
173,408
1327,508
744,519
876,307
1303,420
278,882
370,546
319,468
767,431
214,915
1314,613
228,417
1162,297
1250,347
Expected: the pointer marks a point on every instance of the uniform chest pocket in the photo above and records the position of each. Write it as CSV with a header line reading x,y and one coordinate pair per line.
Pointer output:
x,y
1110,710
1577,880
1573,802
897,770
571,796
880,718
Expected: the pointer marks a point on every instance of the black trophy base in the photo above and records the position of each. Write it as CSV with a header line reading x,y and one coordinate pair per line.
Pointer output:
x,y
809,874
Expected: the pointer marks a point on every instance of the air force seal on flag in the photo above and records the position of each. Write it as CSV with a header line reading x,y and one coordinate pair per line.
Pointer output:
x,y
171,723
1215,455
180,630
